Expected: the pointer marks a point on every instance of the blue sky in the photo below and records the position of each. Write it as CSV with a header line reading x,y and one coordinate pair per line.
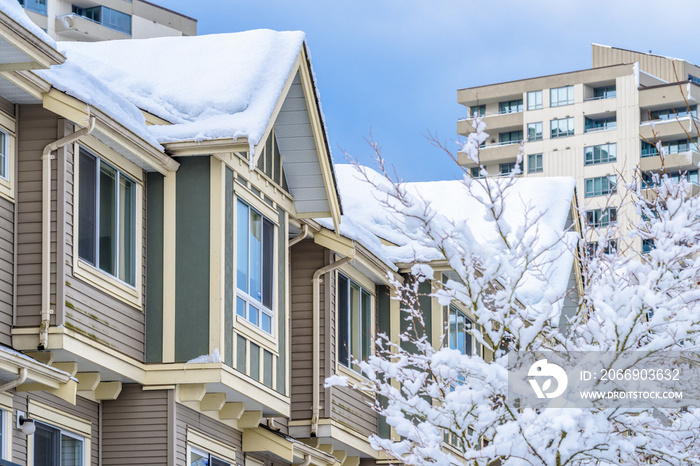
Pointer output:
x,y
394,66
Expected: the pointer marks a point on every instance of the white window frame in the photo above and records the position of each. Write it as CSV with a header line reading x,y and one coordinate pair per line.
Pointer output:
x,y
97,277
536,105
472,340
200,452
570,97
366,285
5,147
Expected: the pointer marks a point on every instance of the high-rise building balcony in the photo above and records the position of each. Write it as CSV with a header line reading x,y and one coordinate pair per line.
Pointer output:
x,y
494,123
669,128
687,160
492,154
81,28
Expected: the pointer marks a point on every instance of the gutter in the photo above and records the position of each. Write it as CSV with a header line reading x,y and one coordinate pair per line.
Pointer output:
x,y
18,381
302,236
46,158
316,284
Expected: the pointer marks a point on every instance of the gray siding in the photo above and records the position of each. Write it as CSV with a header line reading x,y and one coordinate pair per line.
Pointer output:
x,y
135,427
154,265
306,257
85,409
351,409
37,128
188,417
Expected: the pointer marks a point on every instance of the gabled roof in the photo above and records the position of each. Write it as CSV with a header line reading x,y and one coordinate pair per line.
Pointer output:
x,y
456,209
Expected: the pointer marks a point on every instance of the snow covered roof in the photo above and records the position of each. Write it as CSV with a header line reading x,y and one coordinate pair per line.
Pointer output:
x,y
366,220
209,87
14,10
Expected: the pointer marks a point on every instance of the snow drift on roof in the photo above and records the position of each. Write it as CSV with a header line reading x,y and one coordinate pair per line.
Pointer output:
x,y
366,220
14,10
209,87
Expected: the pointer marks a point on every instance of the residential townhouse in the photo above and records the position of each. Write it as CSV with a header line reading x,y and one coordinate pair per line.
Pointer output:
x,y
176,282
599,125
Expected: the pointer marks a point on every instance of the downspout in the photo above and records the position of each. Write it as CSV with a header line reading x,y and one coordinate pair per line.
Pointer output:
x,y
46,157
302,236
18,381
307,460
316,299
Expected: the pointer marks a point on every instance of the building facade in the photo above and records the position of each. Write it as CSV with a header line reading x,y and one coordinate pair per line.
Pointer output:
x,y
88,20
600,125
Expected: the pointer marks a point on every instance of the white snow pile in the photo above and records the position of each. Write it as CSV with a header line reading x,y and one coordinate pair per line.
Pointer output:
x,y
206,358
208,87
452,207
14,10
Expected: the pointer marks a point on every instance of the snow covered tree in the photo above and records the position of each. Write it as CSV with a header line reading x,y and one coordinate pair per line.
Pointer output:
x,y
645,301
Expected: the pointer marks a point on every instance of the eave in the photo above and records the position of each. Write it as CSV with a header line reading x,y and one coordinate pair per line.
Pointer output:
x,y
39,376
207,147
41,54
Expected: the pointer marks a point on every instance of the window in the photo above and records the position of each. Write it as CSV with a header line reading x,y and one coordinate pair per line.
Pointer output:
x,y
534,131
107,218
510,106
53,446
562,128
534,100
647,246
477,110
601,218
4,155
609,248
510,137
602,153
508,168
561,96
255,236
605,92
107,17
673,113
693,79
476,172
460,332
650,179
600,186
202,458
601,124
354,322
38,6
534,163
670,147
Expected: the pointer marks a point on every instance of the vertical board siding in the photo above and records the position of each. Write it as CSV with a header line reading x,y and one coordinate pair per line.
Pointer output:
x,y
135,427
7,231
36,128
306,257
192,258
186,417
84,409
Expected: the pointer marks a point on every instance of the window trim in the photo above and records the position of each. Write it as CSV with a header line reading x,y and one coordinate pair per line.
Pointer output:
x,y
527,133
73,426
471,319
7,184
560,134
586,163
541,167
568,102
535,106
611,178
243,326
132,295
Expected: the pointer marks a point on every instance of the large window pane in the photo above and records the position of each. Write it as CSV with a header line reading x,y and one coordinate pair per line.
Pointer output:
x,y
343,320
87,193
71,451
366,325
108,219
127,230
46,446
267,261
355,327
255,255
4,155
242,247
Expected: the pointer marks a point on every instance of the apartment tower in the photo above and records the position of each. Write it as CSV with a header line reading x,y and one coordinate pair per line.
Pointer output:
x,y
598,125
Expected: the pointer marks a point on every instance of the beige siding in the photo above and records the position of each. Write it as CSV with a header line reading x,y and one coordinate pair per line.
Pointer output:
x,y
186,417
7,227
135,427
306,258
84,409
88,310
37,128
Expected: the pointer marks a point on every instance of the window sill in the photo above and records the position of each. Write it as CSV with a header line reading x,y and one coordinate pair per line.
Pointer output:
x,y
256,335
354,378
107,283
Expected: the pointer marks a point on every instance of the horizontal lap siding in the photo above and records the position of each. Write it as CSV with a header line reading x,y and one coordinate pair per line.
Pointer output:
x,y
135,427
37,128
306,258
351,409
84,409
187,417
88,310
7,209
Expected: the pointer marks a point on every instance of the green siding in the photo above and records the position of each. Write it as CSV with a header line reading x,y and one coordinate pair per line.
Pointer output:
x,y
228,270
281,305
240,353
383,326
192,258
154,267
267,368
254,361
424,302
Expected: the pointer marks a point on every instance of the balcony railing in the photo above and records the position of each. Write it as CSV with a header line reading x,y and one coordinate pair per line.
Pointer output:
x,y
605,127
684,150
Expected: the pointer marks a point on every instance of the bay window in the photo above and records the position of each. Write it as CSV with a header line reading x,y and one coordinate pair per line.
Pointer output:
x,y
106,218
255,237
354,322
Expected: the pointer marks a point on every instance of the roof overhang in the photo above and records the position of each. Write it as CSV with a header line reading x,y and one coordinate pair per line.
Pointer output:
x,y
37,376
207,147
21,49
110,132
260,439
